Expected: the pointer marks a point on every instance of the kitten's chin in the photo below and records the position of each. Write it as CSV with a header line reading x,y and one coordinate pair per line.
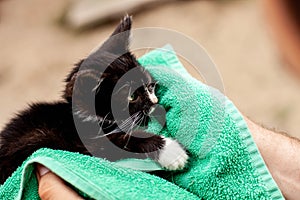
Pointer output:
x,y
151,110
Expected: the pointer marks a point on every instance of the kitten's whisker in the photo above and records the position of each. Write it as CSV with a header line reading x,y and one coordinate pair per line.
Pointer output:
x,y
99,135
111,124
140,119
140,122
104,119
126,123
129,136
129,133
97,86
143,120
126,126
106,116
129,94
136,121
106,134
133,125
129,120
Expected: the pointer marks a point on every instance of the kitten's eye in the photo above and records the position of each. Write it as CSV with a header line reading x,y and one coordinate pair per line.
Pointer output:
x,y
133,97
151,87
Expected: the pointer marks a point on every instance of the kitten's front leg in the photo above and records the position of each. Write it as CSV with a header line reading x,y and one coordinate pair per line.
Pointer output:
x,y
172,156
166,151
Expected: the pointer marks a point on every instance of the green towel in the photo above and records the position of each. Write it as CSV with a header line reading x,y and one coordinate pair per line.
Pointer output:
x,y
224,161
93,178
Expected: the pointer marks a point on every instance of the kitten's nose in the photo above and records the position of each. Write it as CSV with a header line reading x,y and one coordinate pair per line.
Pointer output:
x,y
153,98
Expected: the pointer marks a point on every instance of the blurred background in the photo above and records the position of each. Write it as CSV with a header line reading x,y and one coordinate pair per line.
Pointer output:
x,y
254,43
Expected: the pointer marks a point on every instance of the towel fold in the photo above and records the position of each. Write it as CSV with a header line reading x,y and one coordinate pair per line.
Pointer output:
x,y
94,179
224,161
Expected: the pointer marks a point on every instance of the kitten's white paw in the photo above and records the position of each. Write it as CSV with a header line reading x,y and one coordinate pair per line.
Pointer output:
x,y
172,156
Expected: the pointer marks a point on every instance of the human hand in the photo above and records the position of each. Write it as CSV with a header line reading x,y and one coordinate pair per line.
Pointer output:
x,y
51,187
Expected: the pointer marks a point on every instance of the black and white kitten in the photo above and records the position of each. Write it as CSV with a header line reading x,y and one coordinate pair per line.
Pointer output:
x,y
93,87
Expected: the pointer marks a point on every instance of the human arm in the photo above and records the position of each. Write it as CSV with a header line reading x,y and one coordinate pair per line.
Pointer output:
x,y
281,154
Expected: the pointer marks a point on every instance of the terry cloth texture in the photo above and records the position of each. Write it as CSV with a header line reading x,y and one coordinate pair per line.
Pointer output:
x,y
224,161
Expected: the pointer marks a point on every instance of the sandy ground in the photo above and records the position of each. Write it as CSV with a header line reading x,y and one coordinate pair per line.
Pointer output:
x,y
36,54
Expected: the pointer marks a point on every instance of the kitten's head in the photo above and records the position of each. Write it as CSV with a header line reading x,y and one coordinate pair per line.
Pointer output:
x,y
111,82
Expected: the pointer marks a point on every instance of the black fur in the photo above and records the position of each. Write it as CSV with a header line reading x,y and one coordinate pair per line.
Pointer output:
x,y
52,125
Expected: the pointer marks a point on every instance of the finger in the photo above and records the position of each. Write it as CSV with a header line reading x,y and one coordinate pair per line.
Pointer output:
x,y
41,171
51,187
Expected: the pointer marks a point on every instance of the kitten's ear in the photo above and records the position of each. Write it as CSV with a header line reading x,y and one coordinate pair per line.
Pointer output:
x,y
125,25
118,42
115,46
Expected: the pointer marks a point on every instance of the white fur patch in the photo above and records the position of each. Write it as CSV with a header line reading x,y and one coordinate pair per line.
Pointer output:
x,y
152,97
172,156
151,110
